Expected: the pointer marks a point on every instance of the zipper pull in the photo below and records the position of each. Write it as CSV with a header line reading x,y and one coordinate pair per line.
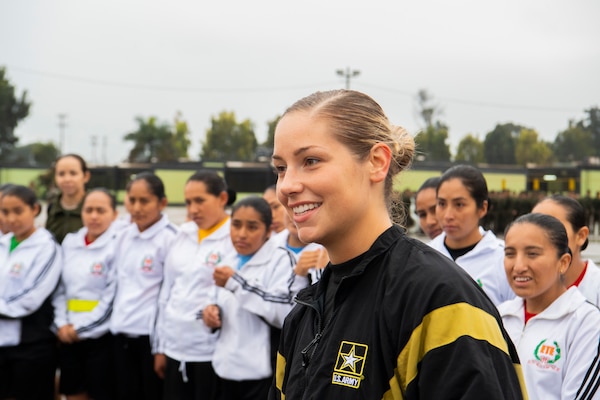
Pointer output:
x,y
311,346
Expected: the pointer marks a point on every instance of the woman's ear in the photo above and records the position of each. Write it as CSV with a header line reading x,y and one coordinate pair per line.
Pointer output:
x,y
565,263
581,235
483,209
223,199
380,158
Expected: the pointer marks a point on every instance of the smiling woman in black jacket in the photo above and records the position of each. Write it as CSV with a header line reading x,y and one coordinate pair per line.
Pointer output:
x,y
390,318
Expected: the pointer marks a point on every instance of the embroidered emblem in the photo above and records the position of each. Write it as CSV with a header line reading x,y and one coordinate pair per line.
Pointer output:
x,y
15,270
97,269
348,370
147,264
546,353
213,259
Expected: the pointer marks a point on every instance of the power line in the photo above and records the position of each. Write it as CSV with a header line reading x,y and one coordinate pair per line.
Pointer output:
x,y
94,81
476,102
347,74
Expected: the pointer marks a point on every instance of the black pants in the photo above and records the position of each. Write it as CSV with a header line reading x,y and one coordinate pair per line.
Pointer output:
x,y
134,369
27,371
87,367
245,390
202,382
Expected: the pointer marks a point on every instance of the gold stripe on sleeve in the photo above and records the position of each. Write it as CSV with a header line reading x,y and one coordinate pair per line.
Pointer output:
x,y
439,328
280,374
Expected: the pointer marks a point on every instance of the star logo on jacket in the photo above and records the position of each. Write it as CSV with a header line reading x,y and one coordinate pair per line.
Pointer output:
x,y
147,264
350,363
212,259
15,270
97,269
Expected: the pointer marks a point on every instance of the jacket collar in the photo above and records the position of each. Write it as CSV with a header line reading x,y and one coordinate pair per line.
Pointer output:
x,y
566,303
387,239
190,229
152,231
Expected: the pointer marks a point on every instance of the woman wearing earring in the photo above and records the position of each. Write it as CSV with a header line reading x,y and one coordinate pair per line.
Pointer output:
x,y
554,328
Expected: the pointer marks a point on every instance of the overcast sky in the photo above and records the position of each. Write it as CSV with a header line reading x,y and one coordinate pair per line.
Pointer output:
x,y
531,62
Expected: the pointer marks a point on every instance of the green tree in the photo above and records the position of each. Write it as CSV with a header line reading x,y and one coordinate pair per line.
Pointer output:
x,y
573,144
35,154
270,142
153,142
428,110
181,137
592,125
227,139
529,149
499,144
431,141
12,111
470,150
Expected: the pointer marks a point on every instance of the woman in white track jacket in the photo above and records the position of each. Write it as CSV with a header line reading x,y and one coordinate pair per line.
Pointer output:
x,y
143,247
185,345
462,200
84,299
30,262
554,328
258,286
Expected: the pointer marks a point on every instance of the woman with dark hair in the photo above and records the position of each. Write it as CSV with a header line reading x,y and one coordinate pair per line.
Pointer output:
x,y
30,264
425,203
583,274
84,299
554,328
257,284
64,211
185,345
140,258
462,201
3,228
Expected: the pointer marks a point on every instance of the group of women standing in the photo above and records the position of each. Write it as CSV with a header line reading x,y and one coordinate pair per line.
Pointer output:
x,y
142,309
547,294
194,308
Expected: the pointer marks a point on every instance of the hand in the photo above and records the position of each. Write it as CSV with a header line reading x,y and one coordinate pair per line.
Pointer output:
x,y
316,259
222,275
211,316
307,260
67,334
160,364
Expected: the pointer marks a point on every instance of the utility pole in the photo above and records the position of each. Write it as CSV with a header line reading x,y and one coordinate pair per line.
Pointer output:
x,y
348,74
94,140
104,144
61,126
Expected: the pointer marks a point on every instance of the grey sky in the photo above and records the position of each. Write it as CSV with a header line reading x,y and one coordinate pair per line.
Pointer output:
x,y
104,63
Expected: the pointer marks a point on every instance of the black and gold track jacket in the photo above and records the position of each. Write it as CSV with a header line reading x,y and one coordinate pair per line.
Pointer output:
x,y
407,323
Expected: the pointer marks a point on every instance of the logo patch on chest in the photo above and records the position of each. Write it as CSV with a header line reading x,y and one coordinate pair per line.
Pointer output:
x,y
348,369
15,270
97,269
546,355
147,264
213,259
